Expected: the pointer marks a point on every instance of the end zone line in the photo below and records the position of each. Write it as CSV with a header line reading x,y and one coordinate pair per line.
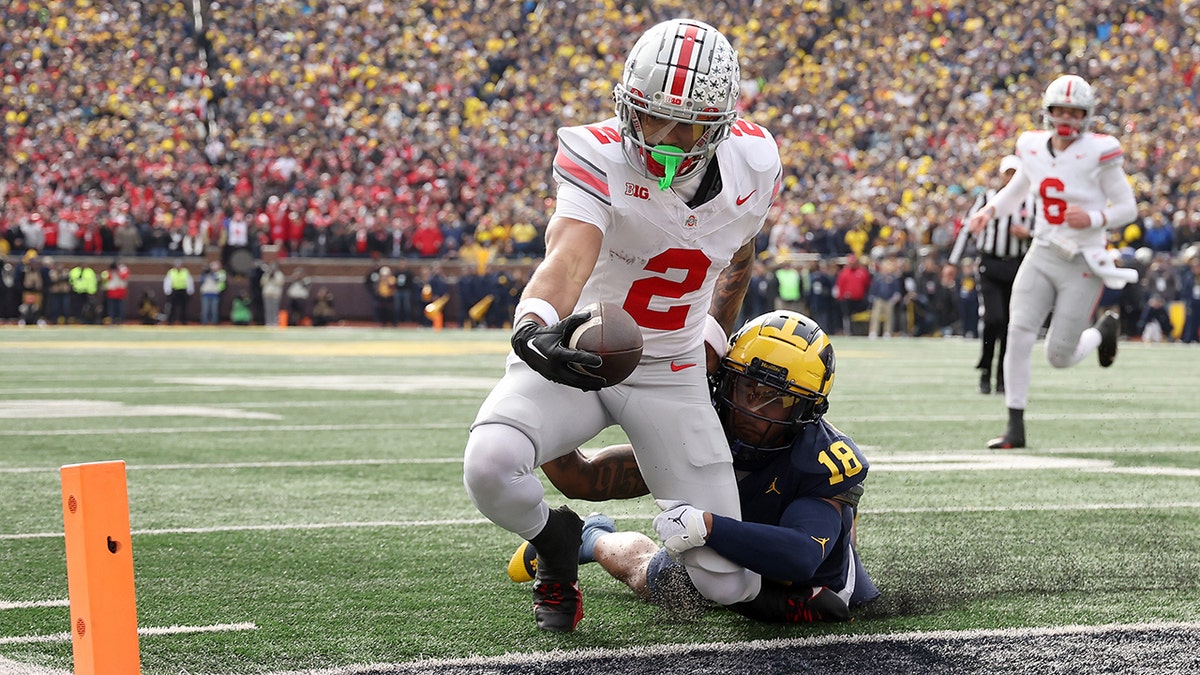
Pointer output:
x,y
167,630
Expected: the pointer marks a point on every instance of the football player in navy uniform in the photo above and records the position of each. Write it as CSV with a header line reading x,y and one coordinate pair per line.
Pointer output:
x,y
799,479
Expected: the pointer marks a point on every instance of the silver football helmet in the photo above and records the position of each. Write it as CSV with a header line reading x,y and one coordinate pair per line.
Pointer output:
x,y
1068,91
686,72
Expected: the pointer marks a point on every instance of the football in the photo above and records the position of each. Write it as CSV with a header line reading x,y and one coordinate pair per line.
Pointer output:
x,y
614,336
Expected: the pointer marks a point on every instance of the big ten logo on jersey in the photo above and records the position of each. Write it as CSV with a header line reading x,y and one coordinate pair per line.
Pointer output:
x,y
637,191
744,128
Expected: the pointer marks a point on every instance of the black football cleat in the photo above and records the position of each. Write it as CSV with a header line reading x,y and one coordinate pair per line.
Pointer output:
x,y
1109,326
822,605
985,383
1006,442
557,605
557,600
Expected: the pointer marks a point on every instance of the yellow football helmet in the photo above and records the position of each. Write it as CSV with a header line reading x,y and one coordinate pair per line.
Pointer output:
x,y
775,379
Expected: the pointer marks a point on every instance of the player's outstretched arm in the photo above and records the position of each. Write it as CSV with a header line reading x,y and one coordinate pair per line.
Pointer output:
x,y
611,473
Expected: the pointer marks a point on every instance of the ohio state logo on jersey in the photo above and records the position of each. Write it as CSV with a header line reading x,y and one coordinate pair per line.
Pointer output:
x,y
690,222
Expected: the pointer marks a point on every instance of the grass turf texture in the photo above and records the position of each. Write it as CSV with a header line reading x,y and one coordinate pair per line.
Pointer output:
x,y
309,482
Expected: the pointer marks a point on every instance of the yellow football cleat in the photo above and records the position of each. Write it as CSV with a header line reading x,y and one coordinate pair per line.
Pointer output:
x,y
523,565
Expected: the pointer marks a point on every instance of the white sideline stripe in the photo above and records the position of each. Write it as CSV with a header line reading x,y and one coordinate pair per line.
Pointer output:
x,y
257,465
636,517
167,630
29,604
8,667
880,461
236,429
541,659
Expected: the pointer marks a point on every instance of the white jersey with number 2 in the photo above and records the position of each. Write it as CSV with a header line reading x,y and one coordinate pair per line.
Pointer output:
x,y
660,257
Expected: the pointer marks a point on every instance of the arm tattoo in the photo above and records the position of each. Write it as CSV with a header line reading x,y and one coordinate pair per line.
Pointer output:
x,y
619,478
731,288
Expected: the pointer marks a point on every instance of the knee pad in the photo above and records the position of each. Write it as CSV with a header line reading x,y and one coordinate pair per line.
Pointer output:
x,y
720,580
495,455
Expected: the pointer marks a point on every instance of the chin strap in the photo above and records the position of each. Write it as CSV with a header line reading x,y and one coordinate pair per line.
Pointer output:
x,y
670,163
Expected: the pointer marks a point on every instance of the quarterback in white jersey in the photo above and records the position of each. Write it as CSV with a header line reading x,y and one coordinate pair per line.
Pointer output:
x,y
1081,188
657,211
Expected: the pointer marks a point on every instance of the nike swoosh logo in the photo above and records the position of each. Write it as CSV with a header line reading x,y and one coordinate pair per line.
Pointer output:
x,y
676,367
742,200
533,348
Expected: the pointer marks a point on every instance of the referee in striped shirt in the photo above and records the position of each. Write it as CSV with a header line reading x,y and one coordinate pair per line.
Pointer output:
x,y
1000,245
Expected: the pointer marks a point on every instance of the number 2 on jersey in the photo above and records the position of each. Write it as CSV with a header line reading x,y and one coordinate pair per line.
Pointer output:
x,y
841,462
695,267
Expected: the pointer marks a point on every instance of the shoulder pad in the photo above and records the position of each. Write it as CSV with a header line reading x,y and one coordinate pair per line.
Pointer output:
x,y
755,145
1109,149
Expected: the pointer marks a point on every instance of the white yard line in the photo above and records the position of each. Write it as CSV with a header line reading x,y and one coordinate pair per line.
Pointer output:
x,y
30,604
8,667
225,429
542,659
166,630
450,522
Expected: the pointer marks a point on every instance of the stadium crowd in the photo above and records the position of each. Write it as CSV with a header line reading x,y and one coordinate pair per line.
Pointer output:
x,y
425,130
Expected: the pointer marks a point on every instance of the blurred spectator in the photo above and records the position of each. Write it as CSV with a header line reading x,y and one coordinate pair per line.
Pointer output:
x,y
1155,323
58,291
402,300
820,295
212,285
85,284
297,297
883,294
178,287
384,292
33,279
9,292
239,310
850,289
115,280
148,310
323,313
272,285
1191,289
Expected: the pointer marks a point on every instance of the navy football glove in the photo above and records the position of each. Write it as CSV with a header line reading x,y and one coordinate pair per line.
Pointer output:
x,y
545,349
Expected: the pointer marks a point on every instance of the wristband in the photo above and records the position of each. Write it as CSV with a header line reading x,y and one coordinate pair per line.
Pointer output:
x,y
537,307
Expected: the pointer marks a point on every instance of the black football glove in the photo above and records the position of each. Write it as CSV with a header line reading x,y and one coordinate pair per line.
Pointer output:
x,y
545,349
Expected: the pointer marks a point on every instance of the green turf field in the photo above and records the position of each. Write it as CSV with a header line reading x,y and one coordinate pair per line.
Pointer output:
x,y
297,502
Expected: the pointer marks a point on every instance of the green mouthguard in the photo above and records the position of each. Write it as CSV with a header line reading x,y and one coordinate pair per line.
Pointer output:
x,y
670,163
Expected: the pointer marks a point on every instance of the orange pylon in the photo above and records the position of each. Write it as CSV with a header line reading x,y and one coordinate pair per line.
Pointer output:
x,y
104,636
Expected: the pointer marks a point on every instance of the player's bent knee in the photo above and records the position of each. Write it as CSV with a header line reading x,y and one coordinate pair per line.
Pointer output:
x,y
720,580
495,453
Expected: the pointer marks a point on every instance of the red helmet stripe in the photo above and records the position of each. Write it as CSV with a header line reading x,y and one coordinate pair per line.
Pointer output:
x,y
686,53
1069,83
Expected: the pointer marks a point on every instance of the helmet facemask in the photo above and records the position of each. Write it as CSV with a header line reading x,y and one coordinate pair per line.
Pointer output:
x,y
679,72
775,379
1069,92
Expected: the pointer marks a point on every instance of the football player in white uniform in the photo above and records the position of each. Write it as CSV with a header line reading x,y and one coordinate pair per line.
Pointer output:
x,y
1081,188
657,211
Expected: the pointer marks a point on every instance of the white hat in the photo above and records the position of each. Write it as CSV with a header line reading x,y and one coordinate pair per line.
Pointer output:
x,y
1009,163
